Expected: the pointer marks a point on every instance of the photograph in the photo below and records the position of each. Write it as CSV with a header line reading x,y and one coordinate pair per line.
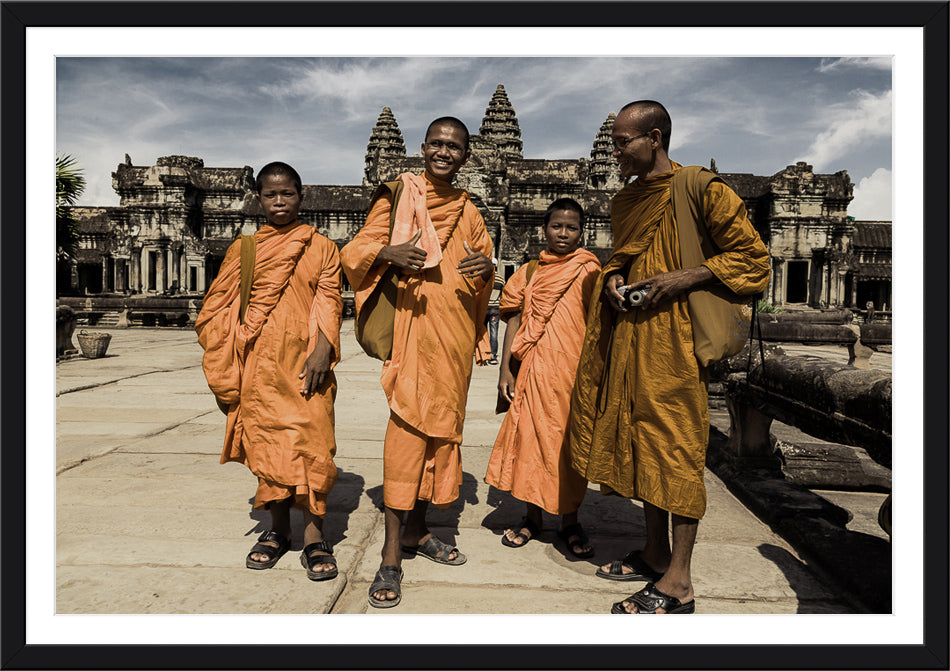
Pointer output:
x,y
630,297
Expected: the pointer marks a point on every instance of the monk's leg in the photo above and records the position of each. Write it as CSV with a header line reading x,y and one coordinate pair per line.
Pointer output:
x,y
280,522
417,532
313,533
677,579
533,515
656,552
392,553
570,519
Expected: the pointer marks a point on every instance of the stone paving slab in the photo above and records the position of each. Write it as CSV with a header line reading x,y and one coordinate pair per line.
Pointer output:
x,y
212,590
431,599
129,539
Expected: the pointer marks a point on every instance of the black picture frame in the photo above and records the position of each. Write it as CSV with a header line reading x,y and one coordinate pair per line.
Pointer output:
x,y
932,17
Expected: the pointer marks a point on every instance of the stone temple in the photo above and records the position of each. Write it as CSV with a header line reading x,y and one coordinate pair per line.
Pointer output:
x,y
176,218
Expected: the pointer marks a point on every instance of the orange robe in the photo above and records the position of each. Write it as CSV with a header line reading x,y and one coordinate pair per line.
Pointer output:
x,y
285,439
531,458
640,417
440,316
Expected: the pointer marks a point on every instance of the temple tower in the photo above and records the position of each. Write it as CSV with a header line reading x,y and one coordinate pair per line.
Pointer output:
x,y
500,125
604,173
384,142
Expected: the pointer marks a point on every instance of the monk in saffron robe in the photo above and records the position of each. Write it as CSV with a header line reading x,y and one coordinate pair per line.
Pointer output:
x,y
440,246
546,317
276,364
639,419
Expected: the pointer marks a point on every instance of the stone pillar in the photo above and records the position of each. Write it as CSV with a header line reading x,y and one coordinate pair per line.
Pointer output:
x,y
201,278
108,280
143,271
778,280
160,285
181,263
135,270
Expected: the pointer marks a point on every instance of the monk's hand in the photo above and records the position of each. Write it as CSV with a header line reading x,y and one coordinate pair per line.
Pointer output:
x,y
611,286
667,286
506,384
475,264
406,256
316,367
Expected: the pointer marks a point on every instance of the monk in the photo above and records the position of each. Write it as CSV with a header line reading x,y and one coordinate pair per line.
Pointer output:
x,y
639,419
545,319
278,360
440,248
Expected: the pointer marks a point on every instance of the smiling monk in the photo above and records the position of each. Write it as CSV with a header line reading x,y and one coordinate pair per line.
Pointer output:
x,y
438,245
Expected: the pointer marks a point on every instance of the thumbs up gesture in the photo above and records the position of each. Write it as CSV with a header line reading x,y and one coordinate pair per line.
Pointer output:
x,y
475,264
406,255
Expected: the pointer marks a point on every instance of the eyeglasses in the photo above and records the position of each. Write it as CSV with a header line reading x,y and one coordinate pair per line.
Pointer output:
x,y
436,145
621,142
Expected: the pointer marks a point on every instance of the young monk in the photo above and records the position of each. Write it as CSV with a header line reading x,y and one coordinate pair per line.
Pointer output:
x,y
439,246
280,421
545,319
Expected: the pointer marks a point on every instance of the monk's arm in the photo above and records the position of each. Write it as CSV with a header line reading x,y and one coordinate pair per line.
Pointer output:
x,y
326,315
317,365
506,381
743,263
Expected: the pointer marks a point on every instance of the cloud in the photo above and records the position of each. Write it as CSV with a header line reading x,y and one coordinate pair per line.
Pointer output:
x,y
849,126
872,197
873,63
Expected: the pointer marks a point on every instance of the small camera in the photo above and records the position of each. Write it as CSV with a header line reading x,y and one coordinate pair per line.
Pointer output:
x,y
634,298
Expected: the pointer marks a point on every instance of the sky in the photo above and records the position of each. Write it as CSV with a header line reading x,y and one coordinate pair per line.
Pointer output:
x,y
751,114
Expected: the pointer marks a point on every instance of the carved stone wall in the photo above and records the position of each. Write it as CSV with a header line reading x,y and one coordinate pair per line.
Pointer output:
x,y
176,218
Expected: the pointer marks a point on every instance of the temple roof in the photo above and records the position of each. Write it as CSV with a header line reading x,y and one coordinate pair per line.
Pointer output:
x,y
872,234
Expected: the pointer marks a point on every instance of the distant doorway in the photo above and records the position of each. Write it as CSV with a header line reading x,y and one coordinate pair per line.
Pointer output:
x,y
796,282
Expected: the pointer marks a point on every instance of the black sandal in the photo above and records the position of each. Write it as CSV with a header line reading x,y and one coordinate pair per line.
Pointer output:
x,y
525,523
641,570
582,540
272,553
387,578
649,599
309,562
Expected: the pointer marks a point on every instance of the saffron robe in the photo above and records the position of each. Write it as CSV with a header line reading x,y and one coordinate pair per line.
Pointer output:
x,y
531,457
639,417
285,439
440,316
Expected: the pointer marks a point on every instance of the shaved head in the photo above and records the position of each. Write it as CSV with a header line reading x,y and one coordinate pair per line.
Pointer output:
x,y
651,114
452,122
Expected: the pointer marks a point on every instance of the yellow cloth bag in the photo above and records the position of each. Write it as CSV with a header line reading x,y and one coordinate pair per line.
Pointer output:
x,y
720,318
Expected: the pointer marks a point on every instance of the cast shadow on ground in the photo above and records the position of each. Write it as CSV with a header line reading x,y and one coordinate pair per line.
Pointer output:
x,y
343,500
614,524
799,578
447,518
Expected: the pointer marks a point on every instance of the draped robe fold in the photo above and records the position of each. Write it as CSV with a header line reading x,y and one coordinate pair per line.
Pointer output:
x,y
530,458
639,418
440,317
285,439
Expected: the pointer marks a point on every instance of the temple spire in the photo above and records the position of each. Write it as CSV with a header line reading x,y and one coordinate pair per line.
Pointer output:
x,y
384,142
603,169
500,125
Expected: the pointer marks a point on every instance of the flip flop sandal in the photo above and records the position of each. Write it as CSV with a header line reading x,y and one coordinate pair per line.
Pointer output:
x,y
272,553
437,551
649,599
525,523
388,578
309,562
641,570
582,540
